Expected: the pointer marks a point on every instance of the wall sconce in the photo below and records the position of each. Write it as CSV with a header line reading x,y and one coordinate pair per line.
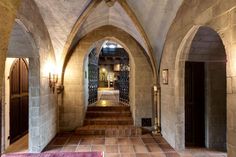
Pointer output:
x,y
53,79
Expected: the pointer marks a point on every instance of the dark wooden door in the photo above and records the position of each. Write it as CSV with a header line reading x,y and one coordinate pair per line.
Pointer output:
x,y
18,100
194,104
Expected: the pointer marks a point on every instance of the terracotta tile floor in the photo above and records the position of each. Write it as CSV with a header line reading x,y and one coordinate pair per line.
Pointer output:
x,y
142,146
201,152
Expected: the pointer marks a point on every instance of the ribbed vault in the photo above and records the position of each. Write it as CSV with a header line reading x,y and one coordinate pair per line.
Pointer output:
x,y
147,21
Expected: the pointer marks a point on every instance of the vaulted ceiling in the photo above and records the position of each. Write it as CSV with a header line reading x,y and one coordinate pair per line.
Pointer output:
x,y
153,18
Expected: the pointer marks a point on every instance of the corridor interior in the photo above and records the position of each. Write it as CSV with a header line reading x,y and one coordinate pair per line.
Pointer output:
x,y
128,78
113,143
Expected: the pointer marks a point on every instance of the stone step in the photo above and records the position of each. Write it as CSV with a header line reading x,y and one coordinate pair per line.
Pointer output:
x,y
110,121
109,108
110,130
92,114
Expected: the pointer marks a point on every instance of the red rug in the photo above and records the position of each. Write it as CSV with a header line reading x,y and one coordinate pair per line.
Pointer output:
x,y
57,154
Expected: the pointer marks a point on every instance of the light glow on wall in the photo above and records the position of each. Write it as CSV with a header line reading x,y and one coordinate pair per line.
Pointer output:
x,y
50,70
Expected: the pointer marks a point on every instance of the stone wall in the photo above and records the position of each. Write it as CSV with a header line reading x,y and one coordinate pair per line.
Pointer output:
x,y
220,16
141,81
43,102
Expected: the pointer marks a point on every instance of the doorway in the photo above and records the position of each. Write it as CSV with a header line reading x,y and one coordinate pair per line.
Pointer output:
x,y
108,75
205,91
194,104
19,99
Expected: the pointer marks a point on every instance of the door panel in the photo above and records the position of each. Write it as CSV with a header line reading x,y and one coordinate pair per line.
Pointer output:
x,y
194,104
18,100
14,117
24,114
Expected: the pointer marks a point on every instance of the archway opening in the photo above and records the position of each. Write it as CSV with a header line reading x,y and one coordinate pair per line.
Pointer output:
x,y
205,91
108,75
20,87
16,98
75,96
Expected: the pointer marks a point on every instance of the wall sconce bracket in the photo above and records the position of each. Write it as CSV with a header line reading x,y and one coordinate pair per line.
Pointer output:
x,y
60,89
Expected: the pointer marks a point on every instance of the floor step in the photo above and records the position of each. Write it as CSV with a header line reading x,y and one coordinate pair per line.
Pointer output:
x,y
91,114
109,108
110,130
110,121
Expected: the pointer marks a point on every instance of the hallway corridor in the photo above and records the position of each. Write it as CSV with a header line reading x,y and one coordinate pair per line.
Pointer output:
x,y
108,75
108,128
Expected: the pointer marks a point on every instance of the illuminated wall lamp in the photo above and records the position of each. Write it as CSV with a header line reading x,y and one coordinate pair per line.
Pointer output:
x,y
53,79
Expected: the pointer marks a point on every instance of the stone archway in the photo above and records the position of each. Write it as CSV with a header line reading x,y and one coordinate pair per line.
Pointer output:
x,y
74,105
43,118
190,18
200,40
21,46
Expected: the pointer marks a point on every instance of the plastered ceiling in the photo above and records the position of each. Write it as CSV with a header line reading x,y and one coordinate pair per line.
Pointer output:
x,y
155,17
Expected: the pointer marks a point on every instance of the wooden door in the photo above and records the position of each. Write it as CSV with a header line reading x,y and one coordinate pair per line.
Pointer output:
x,y
194,104
18,100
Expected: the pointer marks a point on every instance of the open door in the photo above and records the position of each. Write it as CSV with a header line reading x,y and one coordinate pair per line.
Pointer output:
x,y
195,104
19,100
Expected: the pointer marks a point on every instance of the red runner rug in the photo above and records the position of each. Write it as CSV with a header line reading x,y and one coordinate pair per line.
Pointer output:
x,y
57,154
